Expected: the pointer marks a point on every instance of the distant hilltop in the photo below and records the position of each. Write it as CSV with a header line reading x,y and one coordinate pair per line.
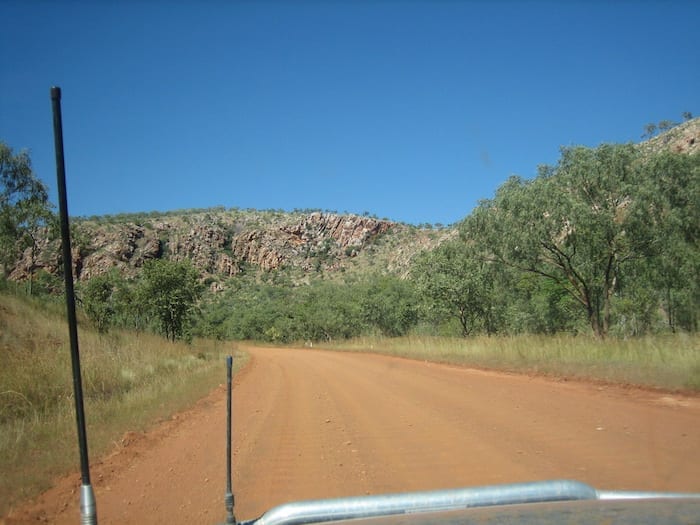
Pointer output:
x,y
223,243
682,138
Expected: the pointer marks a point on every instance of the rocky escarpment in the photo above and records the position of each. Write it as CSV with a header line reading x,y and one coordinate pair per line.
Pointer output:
x,y
317,237
95,251
222,244
683,138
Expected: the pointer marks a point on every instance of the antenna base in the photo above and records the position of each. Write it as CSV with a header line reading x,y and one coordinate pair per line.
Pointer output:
x,y
88,508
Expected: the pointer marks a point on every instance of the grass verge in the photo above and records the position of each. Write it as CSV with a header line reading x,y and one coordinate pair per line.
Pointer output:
x,y
130,381
668,362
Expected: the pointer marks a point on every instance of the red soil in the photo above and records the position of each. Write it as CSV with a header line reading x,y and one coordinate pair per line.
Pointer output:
x,y
313,424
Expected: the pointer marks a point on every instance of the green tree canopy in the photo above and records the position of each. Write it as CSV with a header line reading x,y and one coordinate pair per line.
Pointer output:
x,y
98,301
457,285
170,291
389,304
577,224
24,206
671,277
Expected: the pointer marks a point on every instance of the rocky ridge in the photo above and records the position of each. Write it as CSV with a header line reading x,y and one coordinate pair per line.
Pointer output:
x,y
224,243
683,138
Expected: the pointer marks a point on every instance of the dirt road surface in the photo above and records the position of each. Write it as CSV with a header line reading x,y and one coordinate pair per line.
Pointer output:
x,y
311,424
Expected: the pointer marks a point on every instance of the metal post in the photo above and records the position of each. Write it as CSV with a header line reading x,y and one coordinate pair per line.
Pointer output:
x,y
88,509
228,498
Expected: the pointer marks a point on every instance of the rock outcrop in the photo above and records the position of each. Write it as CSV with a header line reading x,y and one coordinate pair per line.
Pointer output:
x,y
329,237
220,244
683,138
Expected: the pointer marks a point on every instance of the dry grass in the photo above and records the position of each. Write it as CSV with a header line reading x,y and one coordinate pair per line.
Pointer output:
x,y
129,382
669,362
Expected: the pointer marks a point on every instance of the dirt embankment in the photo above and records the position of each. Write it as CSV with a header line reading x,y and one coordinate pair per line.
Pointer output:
x,y
312,424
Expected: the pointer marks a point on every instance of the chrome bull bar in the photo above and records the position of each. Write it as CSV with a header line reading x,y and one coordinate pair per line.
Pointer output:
x,y
320,511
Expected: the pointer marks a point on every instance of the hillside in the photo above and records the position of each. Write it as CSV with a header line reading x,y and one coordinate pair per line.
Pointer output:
x,y
683,138
225,243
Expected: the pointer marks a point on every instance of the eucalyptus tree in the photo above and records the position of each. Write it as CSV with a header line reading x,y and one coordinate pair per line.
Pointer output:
x,y
672,187
24,207
455,283
328,311
577,224
98,301
388,304
170,291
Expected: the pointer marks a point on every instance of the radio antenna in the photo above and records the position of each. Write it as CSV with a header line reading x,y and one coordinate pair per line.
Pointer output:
x,y
228,498
88,509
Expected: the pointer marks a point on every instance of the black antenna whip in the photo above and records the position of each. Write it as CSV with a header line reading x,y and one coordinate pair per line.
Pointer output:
x,y
88,510
228,498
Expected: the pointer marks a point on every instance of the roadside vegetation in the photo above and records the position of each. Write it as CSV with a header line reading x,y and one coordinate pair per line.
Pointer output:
x,y
669,362
130,380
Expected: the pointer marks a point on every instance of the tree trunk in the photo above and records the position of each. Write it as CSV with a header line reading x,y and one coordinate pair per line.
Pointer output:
x,y
594,318
463,322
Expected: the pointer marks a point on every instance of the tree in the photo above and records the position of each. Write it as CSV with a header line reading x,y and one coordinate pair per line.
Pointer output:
x,y
673,190
98,301
535,305
328,311
389,304
578,224
24,207
170,291
649,130
665,125
457,285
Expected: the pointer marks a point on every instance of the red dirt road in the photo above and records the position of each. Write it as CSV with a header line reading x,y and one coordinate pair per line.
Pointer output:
x,y
312,424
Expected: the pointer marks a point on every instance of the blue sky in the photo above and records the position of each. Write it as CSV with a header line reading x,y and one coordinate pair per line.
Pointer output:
x,y
409,110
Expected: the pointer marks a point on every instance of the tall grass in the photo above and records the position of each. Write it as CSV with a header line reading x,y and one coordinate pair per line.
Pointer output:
x,y
669,362
129,381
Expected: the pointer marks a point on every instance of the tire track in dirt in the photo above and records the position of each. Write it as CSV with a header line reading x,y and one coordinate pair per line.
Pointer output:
x,y
313,424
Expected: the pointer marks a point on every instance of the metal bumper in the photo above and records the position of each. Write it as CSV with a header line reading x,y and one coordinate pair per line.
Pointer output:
x,y
320,511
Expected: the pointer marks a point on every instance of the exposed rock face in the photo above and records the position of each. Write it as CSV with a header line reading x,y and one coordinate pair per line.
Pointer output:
x,y
46,256
204,246
125,248
218,244
344,230
328,236
260,248
684,138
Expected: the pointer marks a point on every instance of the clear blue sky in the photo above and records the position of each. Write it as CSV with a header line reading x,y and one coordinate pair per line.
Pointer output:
x,y
409,110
